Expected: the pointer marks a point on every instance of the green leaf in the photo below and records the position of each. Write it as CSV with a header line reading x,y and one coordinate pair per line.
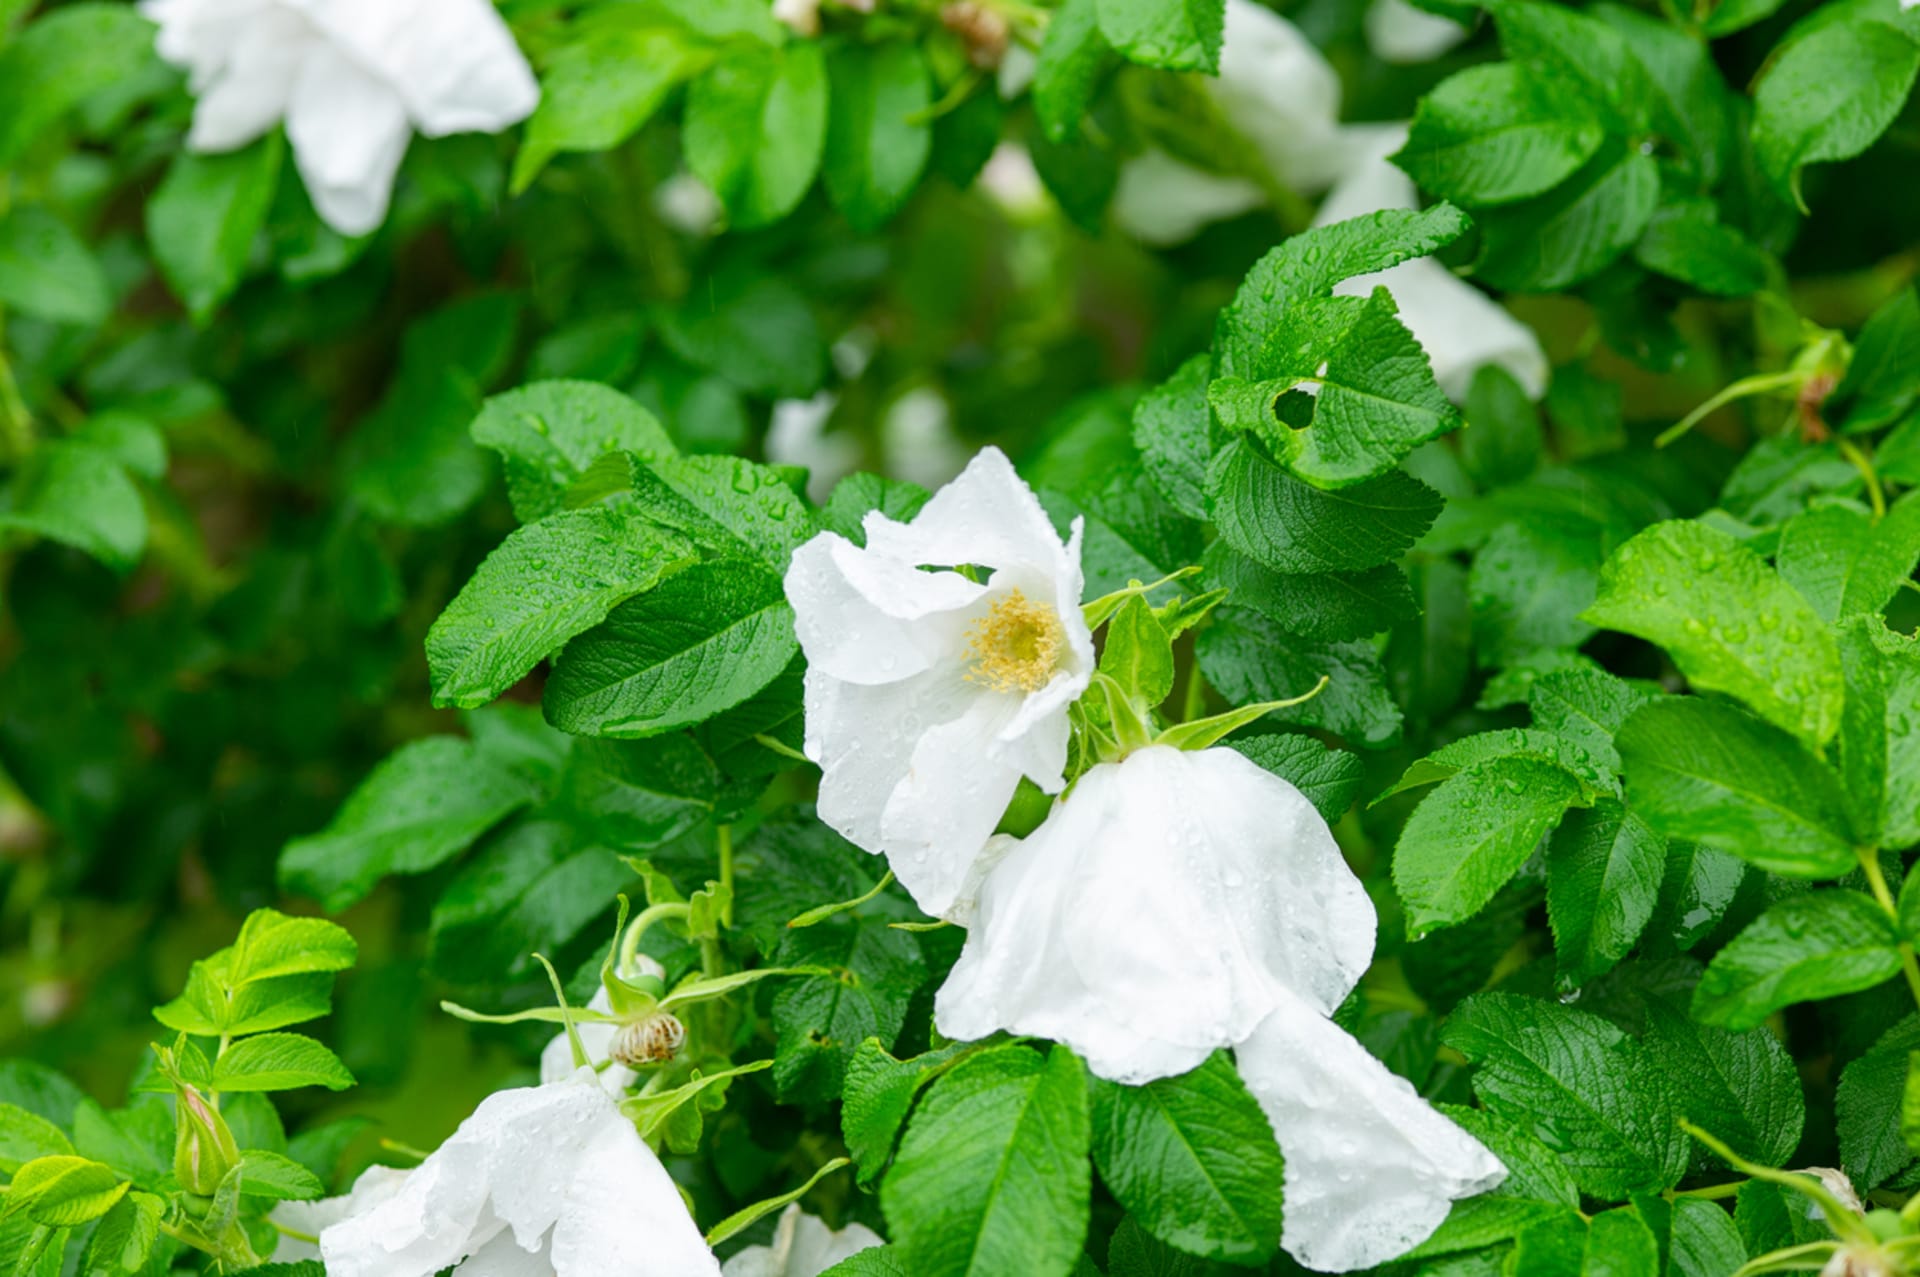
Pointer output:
x,y
1472,833
203,219
548,433
1711,773
1517,742
1577,55
25,1136
1578,1084
124,1238
63,1191
1573,232
1534,1171
1193,1158
47,271
755,127
992,1174
1845,561
1177,35
1170,425
1743,1087
1073,57
60,61
1290,526
700,642
1503,442
727,505
822,1020
1615,1243
875,1261
637,793
1249,660
1879,751
1820,944
878,135
134,442
1328,777
1604,867
424,804
1883,378
1729,622
858,495
1687,241
271,944
597,92
1586,707
1705,1241
531,889
77,494
279,1062
755,329
1137,653
1828,95
1870,1103
1528,587
878,1093
1495,133
547,582
271,1175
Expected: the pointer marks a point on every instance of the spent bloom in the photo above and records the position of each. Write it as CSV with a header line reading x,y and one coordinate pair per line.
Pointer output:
x,y
1177,903
930,691
803,1246
352,79
544,1181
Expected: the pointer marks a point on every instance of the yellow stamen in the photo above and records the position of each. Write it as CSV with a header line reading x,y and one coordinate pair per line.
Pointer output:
x,y
1016,646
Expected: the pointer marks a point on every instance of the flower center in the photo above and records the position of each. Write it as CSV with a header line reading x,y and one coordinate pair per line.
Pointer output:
x,y
1015,647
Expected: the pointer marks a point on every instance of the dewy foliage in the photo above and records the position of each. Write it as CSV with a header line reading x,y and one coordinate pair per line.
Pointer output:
x,y
432,580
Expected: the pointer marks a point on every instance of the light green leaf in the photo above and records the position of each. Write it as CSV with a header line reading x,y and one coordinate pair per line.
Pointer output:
x,y
878,134
203,219
271,1175
1586,707
1883,378
1820,944
1845,561
1512,742
125,1237
77,494
1604,867
1743,1087
992,1174
1468,837
1178,35
878,1093
1711,773
1687,241
279,1062
424,804
1073,56
26,1136
1495,133
1828,95
1575,231
47,271
60,61
548,433
63,1191
1193,1159
755,127
1729,622
547,582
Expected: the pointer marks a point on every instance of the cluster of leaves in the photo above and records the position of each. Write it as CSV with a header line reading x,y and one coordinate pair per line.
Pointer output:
x,y
1630,716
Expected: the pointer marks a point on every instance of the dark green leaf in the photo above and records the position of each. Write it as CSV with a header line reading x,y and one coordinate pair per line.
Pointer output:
x,y
1828,95
1328,777
203,219
878,137
755,127
1290,526
1604,868
1495,133
1819,944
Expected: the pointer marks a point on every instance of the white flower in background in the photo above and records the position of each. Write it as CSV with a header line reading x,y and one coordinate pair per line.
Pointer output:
x,y
1461,328
797,436
375,1185
546,1181
917,439
1281,95
1012,182
803,1246
556,1059
1401,34
930,693
1176,903
353,79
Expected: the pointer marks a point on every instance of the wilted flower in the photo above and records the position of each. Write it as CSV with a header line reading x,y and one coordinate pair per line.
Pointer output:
x,y
931,691
1461,328
353,79
546,1181
803,1246
1177,903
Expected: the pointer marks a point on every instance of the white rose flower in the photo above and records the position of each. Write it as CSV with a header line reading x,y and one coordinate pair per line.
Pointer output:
x,y
929,694
1461,328
1177,903
375,1185
803,1246
1399,33
353,79
546,1181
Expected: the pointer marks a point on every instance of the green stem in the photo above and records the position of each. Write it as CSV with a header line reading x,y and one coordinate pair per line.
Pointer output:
x,y
1877,882
16,423
1711,1193
630,941
1864,464
723,837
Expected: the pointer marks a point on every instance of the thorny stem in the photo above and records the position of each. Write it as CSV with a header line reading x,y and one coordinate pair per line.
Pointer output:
x,y
1877,882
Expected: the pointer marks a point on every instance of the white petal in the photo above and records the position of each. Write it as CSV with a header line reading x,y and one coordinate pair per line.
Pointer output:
x,y
817,1248
868,617
503,1257
556,1059
1277,90
375,1185
1163,909
453,62
250,91
1370,181
1399,33
1162,200
1371,1167
987,516
349,132
624,1217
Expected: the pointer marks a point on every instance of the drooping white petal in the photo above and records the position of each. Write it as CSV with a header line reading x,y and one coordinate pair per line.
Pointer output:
x,y
556,1058
987,516
375,1185
250,91
453,62
541,1166
1461,328
803,1246
1399,33
1282,94
1162,911
1161,200
865,617
349,132
1371,1168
